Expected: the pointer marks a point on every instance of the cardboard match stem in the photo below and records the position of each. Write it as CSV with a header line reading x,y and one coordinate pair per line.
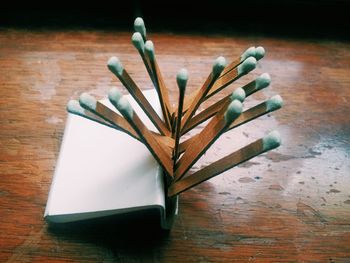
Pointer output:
x,y
206,114
246,116
218,167
117,122
192,108
217,86
156,149
206,138
178,121
167,109
137,94
249,89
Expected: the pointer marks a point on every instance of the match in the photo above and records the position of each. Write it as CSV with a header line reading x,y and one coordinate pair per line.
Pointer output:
x,y
244,68
207,137
74,107
139,44
159,83
259,83
139,26
115,66
181,79
158,152
274,103
238,94
89,103
218,67
269,142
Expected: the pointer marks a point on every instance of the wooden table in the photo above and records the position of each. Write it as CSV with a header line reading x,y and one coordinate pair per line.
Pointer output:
x,y
292,204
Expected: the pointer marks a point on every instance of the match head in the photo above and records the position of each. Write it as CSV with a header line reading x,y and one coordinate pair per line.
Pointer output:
x,y
233,111
259,53
181,78
124,107
137,41
262,81
274,103
250,52
114,96
219,65
271,141
115,66
74,107
87,101
248,65
238,94
149,48
139,26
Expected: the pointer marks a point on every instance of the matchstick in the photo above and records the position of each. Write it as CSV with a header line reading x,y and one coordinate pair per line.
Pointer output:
x,y
156,149
89,103
159,83
181,79
269,142
259,83
272,104
244,68
139,44
115,121
223,80
115,66
238,94
249,52
218,67
74,107
139,26
207,137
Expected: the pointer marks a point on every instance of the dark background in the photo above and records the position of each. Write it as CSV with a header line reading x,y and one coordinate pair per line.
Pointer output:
x,y
307,18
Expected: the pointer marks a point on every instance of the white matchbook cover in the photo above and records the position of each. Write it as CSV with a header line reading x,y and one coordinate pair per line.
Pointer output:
x,y
102,171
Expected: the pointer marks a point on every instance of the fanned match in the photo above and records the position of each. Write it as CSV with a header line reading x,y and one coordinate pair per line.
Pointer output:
x,y
174,155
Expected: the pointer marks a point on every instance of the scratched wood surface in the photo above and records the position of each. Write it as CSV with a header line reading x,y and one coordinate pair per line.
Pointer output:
x,y
292,204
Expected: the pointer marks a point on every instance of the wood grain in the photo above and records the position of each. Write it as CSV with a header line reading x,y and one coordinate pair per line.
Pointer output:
x,y
289,205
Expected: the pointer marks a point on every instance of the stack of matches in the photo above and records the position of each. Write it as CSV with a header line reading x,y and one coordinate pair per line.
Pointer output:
x,y
174,155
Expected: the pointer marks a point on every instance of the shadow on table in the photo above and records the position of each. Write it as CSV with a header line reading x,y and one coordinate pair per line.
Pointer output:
x,y
131,233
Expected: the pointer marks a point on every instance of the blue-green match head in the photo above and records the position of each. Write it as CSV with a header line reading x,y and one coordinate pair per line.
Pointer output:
x,y
271,141
115,66
259,53
247,65
149,48
274,103
262,81
137,41
182,78
219,65
238,94
139,26
87,101
74,107
233,111
250,52
124,107
114,96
